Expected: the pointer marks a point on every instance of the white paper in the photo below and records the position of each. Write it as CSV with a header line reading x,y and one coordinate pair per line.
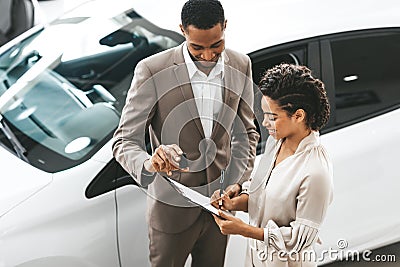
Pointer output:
x,y
194,196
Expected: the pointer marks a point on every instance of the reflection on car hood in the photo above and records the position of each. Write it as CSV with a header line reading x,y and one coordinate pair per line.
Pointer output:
x,y
18,181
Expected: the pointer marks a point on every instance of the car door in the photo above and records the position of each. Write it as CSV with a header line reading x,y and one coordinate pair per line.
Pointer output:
x,y
360,71
129,201
130,207
132,227
60,224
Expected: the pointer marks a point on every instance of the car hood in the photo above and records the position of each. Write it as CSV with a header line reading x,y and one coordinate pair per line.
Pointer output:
x,y
18,181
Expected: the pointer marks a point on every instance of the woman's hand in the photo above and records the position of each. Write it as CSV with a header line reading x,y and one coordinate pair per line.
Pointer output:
x,y
238,203
229,225
231,191
227,203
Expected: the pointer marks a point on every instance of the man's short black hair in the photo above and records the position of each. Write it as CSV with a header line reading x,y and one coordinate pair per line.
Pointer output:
x,y
202,14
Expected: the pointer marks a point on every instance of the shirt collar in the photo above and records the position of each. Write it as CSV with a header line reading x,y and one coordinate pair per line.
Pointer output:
x,y
192,68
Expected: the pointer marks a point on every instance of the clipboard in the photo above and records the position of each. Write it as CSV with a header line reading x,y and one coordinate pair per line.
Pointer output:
x,y
195,197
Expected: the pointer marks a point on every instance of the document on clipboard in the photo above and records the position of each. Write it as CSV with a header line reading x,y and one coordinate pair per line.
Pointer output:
x,y
194,197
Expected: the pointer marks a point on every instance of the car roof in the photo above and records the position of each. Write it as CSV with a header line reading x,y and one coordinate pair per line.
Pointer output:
x,y
256,24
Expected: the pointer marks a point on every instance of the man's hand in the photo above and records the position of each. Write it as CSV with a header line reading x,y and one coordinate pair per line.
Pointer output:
x,y
166,159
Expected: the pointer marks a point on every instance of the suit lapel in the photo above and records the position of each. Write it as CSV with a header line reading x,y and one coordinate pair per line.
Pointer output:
x,y
182,77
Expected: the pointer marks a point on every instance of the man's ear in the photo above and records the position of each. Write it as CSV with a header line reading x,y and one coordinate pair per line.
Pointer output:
x,y
225,24
182,29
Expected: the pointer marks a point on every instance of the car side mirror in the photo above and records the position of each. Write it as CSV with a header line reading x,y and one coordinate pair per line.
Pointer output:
x,y
122,37
117,37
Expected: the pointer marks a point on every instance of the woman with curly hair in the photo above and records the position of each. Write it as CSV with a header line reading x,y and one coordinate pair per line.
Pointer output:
x,y
290,190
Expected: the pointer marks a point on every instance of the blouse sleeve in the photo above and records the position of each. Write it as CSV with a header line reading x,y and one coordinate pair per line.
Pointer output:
x,y
314,197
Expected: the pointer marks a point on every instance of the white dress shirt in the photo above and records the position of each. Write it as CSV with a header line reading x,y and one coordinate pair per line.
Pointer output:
x,y
207,90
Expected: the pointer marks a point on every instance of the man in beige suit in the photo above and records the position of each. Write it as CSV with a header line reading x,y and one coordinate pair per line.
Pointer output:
x,y
195,99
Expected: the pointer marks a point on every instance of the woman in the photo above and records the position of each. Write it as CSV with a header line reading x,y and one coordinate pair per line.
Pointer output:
x,y
289,193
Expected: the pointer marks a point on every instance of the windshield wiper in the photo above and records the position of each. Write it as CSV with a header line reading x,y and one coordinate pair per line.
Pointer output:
x,y
18,147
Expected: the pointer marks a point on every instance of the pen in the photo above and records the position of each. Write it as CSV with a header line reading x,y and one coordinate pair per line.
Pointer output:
x,y
221,187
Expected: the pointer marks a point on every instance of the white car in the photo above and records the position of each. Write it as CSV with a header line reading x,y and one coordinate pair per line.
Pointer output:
x,y
64,201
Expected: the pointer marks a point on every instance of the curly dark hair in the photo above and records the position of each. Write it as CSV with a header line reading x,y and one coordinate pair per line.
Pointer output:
x,y
202,14
293,87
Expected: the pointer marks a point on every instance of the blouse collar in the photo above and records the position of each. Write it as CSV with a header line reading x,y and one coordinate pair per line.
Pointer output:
x,y
308,142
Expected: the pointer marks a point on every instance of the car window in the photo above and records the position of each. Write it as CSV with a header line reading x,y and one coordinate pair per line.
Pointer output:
x,y
62,89
262,63
366,75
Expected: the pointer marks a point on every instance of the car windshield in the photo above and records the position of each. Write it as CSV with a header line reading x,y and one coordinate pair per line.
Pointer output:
x,y
62,89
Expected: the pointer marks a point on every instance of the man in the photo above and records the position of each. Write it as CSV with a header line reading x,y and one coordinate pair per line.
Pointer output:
x,y
195,99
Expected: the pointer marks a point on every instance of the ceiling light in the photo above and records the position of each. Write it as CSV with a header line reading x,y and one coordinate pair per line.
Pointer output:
x,y
350,78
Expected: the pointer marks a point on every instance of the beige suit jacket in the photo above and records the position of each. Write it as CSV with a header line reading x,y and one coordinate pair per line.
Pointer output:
x,y
161,100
